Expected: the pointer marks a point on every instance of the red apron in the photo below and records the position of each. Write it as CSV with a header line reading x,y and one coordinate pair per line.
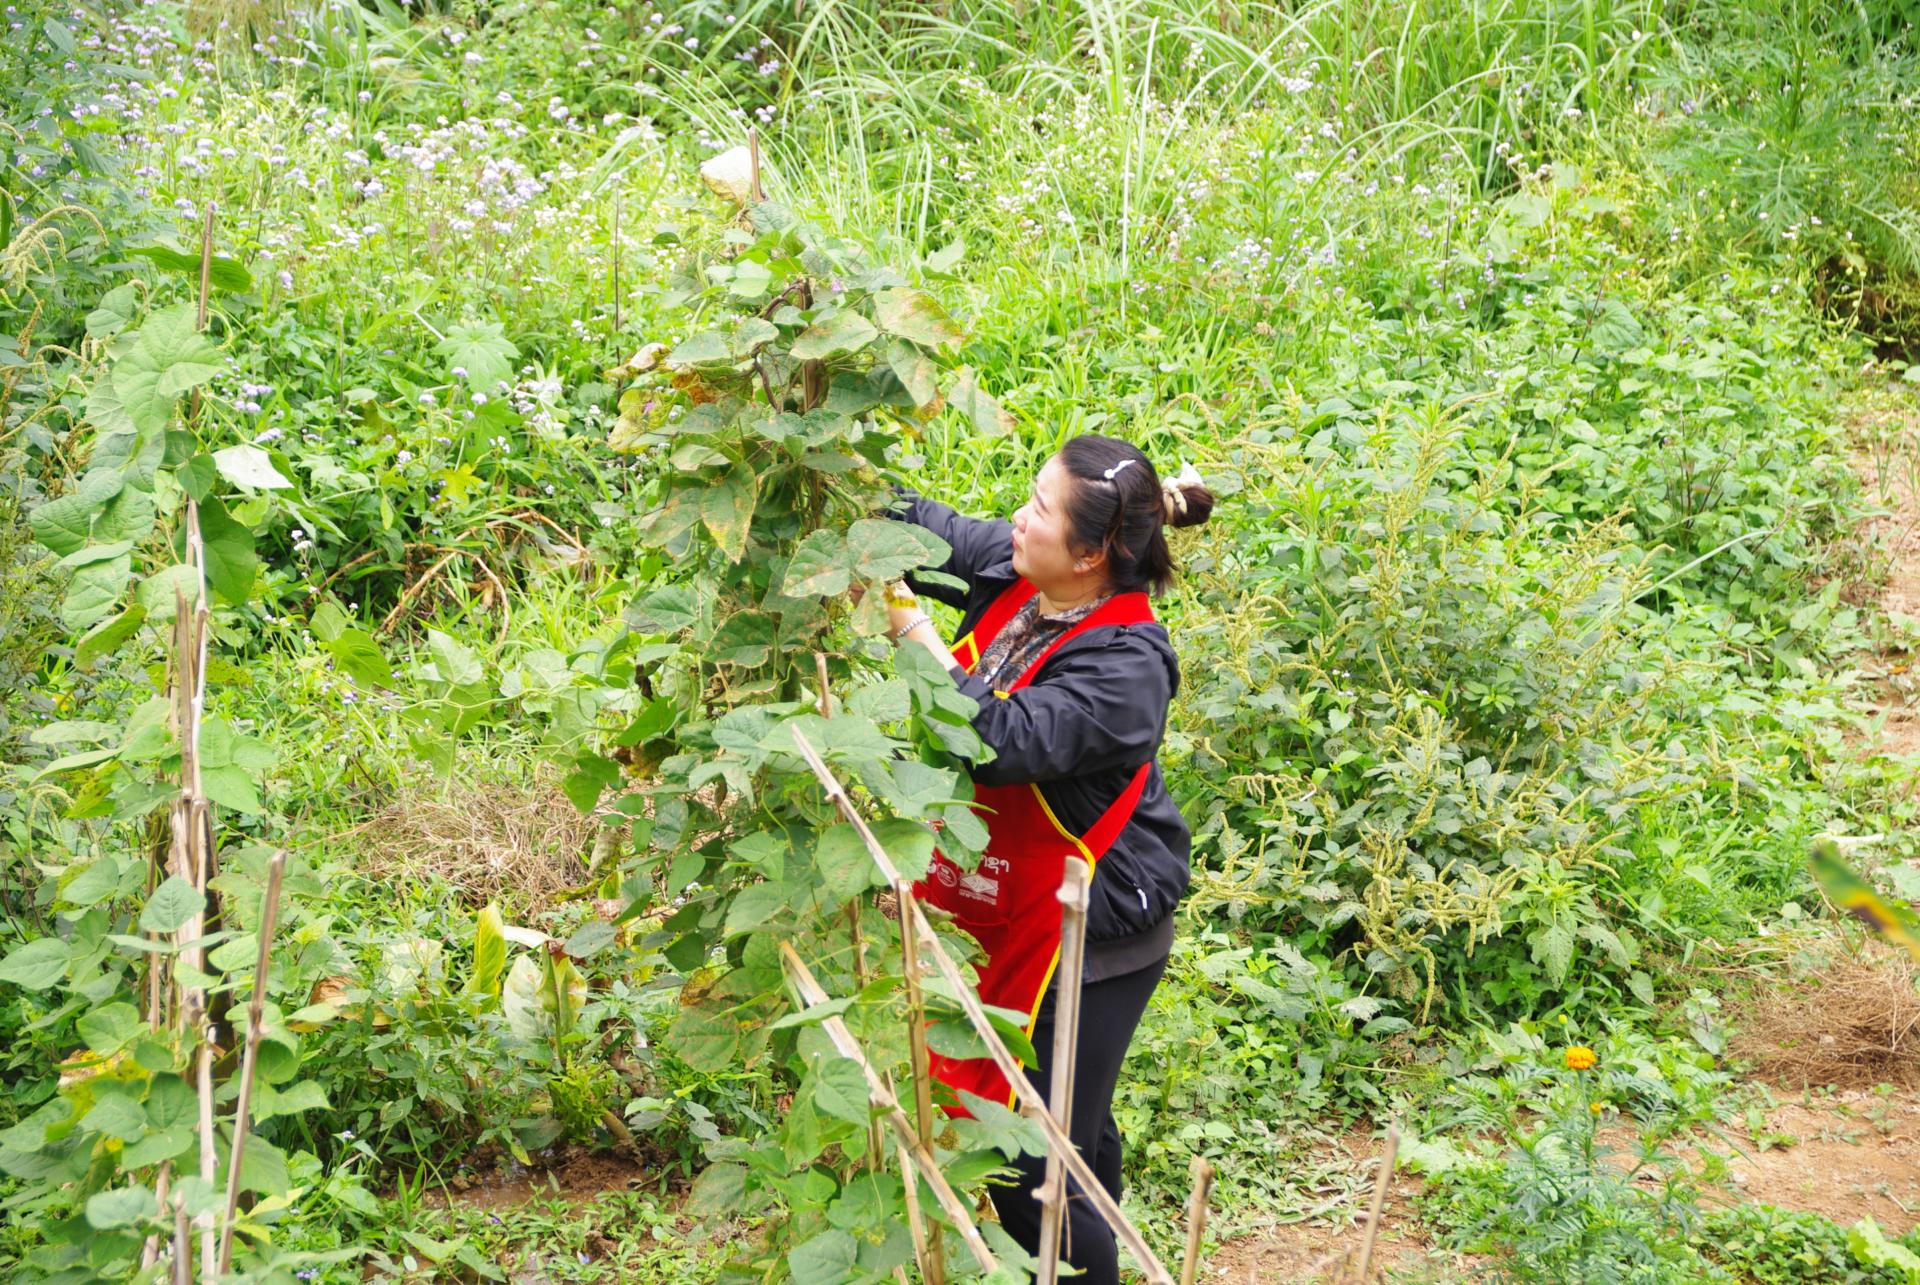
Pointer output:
x,y
1011,903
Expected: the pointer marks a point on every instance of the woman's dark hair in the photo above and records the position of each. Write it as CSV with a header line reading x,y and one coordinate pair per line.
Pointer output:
x,y
1117,505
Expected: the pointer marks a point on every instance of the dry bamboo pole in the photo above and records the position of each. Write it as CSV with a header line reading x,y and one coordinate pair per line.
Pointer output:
x,y
198,813
243,1104
209,1140
150,1249
811,994
1202,1170
192,832
1066,1043
933,1265
916,1224
1032,1104
1379,1206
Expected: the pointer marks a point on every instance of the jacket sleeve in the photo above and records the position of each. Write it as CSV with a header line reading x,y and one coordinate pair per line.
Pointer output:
x,y
1095,708
976,543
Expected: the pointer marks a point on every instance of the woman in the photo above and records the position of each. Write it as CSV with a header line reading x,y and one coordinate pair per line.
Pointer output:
x,y
1059,645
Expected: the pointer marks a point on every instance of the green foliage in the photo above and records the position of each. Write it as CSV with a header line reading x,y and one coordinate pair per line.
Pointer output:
x,y
1794,131
1548,1197
1771,1246
767,429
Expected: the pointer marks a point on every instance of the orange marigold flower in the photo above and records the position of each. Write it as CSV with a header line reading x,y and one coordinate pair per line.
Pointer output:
x,y
1581,1058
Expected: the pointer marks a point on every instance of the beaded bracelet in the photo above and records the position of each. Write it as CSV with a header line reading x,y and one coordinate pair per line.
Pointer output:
x,y
911,625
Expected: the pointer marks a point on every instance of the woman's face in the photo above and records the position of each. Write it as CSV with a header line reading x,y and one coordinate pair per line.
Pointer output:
x,y
1042,539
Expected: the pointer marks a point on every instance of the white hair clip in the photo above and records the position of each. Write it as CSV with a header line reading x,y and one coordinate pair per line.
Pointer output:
x,y
1174,489
1109,474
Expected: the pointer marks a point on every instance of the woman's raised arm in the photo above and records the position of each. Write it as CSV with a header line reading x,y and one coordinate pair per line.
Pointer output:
x,y
978,545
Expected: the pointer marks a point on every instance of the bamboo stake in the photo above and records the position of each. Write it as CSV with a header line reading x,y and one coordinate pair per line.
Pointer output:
x,y
1379,1202
206,265
933,1265
1032,1104
1066,1036
192,857
826,695
811,993
1202,1170
243,1105
182,1247
203,1075
916,1224
753,154
150,1248
206,290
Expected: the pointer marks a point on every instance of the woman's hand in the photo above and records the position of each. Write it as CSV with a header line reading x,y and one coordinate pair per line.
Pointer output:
x,y
908,621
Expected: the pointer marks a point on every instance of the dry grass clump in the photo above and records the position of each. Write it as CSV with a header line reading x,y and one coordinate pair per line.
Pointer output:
x,y
1853,1021
523,842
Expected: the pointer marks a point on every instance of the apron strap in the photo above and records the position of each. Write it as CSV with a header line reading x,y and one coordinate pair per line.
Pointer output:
x,y
992,621
1106,830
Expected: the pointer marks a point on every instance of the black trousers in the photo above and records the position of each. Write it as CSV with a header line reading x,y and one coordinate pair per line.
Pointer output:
x,y
1109,1012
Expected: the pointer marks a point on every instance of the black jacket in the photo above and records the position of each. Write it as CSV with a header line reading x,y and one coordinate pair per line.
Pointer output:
x,y
1092,715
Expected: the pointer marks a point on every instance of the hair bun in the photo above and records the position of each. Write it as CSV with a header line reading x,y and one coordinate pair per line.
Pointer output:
x,y
1188,504
1185,499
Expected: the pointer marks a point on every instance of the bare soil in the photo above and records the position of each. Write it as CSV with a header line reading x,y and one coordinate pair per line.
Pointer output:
x,y
576,1176
1853,1154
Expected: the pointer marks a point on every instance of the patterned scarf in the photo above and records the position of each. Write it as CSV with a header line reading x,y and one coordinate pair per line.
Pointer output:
x,y
1024,637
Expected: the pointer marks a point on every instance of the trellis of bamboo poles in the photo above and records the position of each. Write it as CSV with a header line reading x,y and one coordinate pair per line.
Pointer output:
x,y
190,855
1032,1103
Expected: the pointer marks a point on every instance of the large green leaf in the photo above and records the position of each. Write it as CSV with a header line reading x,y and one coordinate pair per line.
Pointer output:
x,y
666,610
169,356
453,661
827,1259
840,1089
702,347
727,509
117,308
107,1029
232,565
37,965
818,567
908,844
106,637
223,273
842,858
95,590
986,415
127,516
915,371
122,1207
884,550
173,903
249,467
481,351
753,906
917,316
65,524
358,656
844,331
706,1041
718,1190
